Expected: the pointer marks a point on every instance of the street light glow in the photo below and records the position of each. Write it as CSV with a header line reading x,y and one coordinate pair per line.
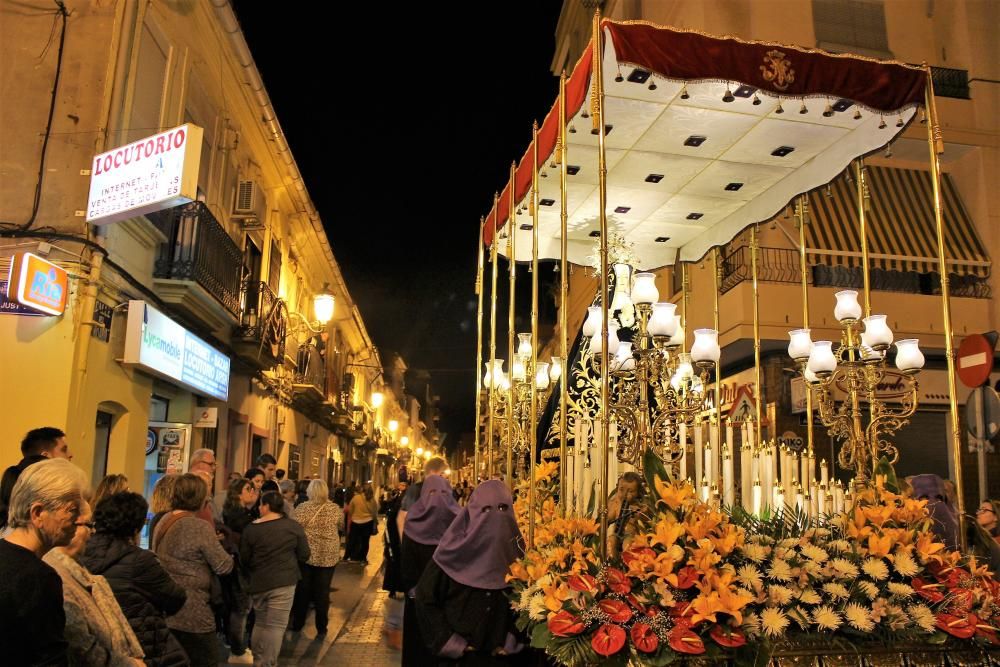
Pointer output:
x,y
377,399
393,426
405,440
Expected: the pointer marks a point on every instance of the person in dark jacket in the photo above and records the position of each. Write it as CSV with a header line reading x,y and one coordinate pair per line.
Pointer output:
x,y
461,602
392,579
271,549
144,590
238,512
426,522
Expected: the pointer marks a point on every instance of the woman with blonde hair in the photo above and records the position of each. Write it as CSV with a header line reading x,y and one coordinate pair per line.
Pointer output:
x,y
162,500
110,485
322,520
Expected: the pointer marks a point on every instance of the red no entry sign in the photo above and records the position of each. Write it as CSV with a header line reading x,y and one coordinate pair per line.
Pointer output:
x,y
975,360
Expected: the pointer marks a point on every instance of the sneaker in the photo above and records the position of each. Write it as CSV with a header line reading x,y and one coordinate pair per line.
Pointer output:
x,y
245,659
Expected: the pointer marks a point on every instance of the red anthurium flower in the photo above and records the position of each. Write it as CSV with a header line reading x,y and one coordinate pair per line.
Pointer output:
x,y
644,638
962,627
682,640
728,637
680,610
638,552
608,640
930,592
634,601
687,577
987,632
616,610
583,583
565,624
618,581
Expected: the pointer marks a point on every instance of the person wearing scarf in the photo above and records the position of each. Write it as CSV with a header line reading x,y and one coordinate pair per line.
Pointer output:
x,y
461,599
426,523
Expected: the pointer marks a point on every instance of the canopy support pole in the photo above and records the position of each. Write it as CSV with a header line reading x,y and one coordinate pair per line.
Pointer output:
x,y
564,489
532,369
802,214
493,334
511,334
862,186
757,386
479,353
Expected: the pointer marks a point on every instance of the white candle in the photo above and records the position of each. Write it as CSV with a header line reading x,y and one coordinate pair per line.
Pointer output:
x,y
769,482
699,455
728,479
729,437
750,433
824,474
716,455
800,501
779,499
756,497
821,500
806,478
746,478
812,466
704,489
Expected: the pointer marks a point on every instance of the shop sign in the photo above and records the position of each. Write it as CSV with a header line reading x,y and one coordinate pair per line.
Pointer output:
x,y
158,345
798,395
103,314
206,418
791,440
9,307
38,284
148,175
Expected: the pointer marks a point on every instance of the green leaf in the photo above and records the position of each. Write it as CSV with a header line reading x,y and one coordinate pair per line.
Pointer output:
x,y
885,468
593,499
540,636
937,638
573,651
521,622
653,469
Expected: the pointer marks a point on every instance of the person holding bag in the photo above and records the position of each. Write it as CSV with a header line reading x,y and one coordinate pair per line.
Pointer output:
x,y
322,521
364,524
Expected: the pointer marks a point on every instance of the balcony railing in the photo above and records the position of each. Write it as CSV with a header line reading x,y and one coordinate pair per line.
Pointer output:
x,y
200,250
263,323
309,375
781,265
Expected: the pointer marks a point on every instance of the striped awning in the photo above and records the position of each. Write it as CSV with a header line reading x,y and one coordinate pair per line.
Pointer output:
x,y
901,232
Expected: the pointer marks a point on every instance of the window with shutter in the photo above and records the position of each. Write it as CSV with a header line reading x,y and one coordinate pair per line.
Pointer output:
x,y
851,26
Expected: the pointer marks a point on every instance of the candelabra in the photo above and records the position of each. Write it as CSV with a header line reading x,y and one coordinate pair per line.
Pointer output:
x,y
657,390
512,398
856,369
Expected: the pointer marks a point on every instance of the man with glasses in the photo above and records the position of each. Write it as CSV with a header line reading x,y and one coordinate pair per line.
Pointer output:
x,y
44,511
203,465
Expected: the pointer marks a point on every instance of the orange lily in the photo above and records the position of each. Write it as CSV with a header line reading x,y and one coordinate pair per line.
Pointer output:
x,y
858,528
555,595
673,494
879,546
703,556
727,538
705,607
928,548
667,532
878,514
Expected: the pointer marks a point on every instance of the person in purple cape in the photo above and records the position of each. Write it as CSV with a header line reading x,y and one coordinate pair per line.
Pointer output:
x,y
461,600
426,522
931,487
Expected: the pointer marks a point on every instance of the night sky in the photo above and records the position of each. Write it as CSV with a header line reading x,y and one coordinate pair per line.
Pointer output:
x,y
402,142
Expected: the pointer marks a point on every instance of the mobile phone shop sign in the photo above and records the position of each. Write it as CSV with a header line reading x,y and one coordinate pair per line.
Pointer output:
x,y
158,345
148,175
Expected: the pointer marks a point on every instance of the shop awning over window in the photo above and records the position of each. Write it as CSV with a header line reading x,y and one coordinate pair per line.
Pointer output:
x,y
901,231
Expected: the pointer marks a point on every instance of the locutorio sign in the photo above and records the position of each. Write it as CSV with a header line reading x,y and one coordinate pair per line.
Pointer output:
x,y
145,176
158,345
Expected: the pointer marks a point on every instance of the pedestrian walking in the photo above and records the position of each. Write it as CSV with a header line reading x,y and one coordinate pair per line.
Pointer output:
x,y
392,578
44,508
426,523
97,631
271,549
322,521
461,602
364,524
190,552
143,589
238,512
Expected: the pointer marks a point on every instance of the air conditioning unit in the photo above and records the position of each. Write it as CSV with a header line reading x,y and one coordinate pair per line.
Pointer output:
x,y
248,198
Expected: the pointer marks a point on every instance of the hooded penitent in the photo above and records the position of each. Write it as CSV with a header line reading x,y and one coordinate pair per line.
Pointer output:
x,y
931,487
483,540
431,515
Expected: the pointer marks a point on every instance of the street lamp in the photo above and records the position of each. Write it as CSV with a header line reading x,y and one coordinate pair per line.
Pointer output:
x,y
377,399
420,451
323,303
393,426
405,440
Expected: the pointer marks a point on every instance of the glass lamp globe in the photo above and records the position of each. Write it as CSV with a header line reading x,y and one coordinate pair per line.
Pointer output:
x,y
662,322
800,344
644,289
847,309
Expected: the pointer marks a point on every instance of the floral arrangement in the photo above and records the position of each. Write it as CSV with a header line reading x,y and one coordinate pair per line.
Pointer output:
x,y
696,580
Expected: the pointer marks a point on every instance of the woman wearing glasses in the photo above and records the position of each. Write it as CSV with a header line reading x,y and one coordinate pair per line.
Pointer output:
x,y
96,629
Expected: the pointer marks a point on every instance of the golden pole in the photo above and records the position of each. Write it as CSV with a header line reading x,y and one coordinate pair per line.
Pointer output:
x,y
685,301
597,115
716,282
532,369
479,348
936,145
564,490
859,180
802,213
493,332
756,332
511,334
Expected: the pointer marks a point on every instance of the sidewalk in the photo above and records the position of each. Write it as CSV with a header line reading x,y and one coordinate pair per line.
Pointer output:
x,y
361,643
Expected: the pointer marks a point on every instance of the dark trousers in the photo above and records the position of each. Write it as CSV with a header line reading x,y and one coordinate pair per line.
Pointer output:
x,y
358,540
202,648
314,587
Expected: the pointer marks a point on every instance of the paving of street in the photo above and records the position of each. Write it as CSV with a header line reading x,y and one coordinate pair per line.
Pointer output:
x,y
354,635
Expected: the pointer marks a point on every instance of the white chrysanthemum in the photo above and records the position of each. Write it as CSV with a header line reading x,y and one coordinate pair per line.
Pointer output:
x,y
839,546
859,617
812,568
788,542
876,569
780,571
810,596
843,569
836,591
780,595
537,609
900,590
773,621
756,552
922,616
751,624
812,552
750,576
525,600
905,565
826,618
869,589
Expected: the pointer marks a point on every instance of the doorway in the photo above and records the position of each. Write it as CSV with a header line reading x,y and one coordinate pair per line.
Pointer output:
x,y
102,443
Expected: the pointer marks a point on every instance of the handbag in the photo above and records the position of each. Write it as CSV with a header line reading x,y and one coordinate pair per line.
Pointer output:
x,y
374,526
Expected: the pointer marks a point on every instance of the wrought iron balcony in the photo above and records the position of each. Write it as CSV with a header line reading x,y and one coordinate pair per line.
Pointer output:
x,y
309,374
198,269
259,338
